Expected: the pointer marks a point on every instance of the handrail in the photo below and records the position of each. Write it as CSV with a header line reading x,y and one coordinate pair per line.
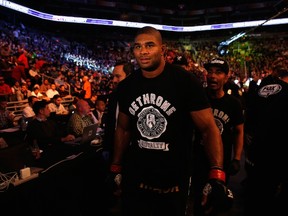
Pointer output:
x,y
17,106
67,101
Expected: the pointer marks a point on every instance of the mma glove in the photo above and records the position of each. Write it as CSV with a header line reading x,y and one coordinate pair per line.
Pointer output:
x,y
114,179
216,196
234,167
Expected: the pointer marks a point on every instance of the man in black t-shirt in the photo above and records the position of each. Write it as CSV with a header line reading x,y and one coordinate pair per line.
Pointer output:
x,y
158,104
267,183
228,113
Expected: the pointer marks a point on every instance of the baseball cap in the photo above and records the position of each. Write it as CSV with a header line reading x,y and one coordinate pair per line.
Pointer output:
x,y
180,60
36,86
217,62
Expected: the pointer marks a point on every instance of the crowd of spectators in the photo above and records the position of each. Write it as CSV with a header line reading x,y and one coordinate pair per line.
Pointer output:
x,y
29,55
42,65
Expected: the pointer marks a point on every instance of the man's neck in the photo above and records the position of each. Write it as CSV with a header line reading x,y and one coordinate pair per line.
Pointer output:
x,y
155,73
216,93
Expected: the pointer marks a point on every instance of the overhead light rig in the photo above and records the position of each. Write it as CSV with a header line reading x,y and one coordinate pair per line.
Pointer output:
x,y
224,45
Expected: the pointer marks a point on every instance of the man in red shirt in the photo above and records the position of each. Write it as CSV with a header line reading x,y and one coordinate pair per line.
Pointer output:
x,y
5,89
18,73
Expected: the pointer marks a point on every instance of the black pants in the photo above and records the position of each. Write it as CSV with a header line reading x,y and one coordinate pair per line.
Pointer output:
x,y
148,202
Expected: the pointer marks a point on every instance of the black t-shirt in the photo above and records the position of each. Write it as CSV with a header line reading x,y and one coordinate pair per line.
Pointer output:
x,y
271,132
160,123
269,90
228,113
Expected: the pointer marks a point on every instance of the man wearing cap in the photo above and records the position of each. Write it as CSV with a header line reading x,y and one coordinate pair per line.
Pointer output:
x,y
181,61
36,92
228,114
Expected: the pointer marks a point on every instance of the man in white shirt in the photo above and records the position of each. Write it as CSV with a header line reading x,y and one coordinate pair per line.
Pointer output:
x,y
28,112
33,72
52,91
100,108
56,106
36,92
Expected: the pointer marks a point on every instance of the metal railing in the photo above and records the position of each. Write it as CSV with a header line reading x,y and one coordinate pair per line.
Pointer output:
x,y
17,106
44,76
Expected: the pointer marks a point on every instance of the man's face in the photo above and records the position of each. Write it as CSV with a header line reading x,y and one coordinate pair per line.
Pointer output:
x,y
23,88
84,108
94,98
101,106
118,74
148,51
28,82
58,101
17,84
216,78
170,57
45,111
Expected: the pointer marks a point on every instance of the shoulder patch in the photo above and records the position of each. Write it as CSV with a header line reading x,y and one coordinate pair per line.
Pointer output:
x,y
268,90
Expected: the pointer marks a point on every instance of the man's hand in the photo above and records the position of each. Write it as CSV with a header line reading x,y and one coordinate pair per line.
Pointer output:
x,y
68,138
216,196
114,179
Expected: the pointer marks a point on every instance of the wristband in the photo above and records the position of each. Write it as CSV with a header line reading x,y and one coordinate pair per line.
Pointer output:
x,y
116,168
217,174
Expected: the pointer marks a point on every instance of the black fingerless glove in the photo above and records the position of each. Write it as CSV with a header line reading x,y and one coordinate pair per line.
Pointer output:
x,y
217,196
234,167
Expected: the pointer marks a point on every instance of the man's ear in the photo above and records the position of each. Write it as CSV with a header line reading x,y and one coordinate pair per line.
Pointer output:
x,y
41,110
